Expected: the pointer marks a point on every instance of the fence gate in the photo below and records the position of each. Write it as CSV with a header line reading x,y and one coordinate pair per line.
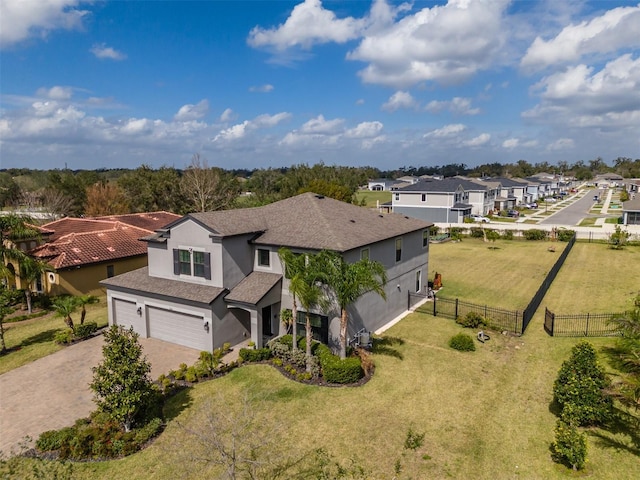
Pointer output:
x,y
549,320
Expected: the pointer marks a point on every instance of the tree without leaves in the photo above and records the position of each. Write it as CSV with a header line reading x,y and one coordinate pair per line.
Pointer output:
x,y
121,383
349,282
207,188
58,203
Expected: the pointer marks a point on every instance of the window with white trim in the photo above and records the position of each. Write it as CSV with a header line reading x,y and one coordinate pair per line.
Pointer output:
x,y
263,258
424,197
425,238
398,249
418,280
364,254
191,262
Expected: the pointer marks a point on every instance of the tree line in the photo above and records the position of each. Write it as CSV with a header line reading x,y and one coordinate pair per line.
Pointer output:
x,y
199,187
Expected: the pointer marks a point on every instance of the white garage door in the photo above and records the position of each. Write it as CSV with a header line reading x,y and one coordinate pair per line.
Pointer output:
x,y
178,327
126,315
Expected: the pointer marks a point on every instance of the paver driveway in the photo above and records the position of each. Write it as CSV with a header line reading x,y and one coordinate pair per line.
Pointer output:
x,y
53,392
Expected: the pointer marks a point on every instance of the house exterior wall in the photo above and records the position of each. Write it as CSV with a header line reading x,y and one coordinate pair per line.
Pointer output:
x,y
85,279
236,260
436,199
430,214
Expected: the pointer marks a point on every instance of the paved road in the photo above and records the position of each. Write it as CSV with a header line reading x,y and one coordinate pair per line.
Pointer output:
x,y
573,213
53,392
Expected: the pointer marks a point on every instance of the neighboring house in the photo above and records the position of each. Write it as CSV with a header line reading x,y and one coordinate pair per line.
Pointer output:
x,y
512,192
632,185
13,281
216,277
382,184
83,251
631,211
606,180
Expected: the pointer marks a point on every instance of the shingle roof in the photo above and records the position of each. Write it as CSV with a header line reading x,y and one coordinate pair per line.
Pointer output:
x,y
82,241
311,221
140,281
447,185
253,288
632,205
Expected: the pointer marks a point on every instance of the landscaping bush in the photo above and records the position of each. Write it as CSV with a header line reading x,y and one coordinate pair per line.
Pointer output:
x,y
570,446
335,370
476,232
257,355
580,388
85,330
455,233
534,234
471,320
507,235
434,230
63,336
462,342
564,235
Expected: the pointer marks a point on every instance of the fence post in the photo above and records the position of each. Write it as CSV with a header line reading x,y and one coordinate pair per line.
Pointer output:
x,y
408,300
586,330
435,313
456,315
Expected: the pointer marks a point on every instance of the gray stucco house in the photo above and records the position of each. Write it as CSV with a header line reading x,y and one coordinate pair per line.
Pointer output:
x,y
216,277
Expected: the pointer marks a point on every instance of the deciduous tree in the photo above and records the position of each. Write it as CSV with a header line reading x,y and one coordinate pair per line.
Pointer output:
x,y
105,199
206,188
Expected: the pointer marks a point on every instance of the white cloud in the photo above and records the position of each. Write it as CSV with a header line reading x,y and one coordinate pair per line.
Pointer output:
x,y
580,97
309,24
261,121
511,143
561,144
101,51
261,88
227,115
321,126
399,100
478,141
360,101
446,131
457,106
56,93
365,130
192,112
22,19
448,43
615,29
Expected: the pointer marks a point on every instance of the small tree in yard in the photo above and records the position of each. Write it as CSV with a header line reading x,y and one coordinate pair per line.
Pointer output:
x,y
65,307
618,239
5,310
121,383
570,446
83,301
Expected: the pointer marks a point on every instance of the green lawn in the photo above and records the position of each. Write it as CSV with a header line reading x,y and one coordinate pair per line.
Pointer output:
x,y
32,339
370,198
485,414
588,222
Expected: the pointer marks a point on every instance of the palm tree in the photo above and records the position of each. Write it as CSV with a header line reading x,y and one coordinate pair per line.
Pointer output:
x,y
83,301
349,281
293,265
627,355
65,307
31,270
4,311
12,228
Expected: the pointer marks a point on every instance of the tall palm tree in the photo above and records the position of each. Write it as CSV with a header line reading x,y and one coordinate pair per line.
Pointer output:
x,y
65,307
4,311
13,228
293,265
627,355
349,281
31,270
83,301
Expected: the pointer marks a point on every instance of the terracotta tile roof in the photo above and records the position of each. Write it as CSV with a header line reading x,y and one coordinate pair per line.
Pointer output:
x,y
140,281
310,221
253,288
76,249
148,221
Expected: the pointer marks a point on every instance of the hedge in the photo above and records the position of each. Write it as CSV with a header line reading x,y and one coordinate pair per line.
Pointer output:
x,y
335,370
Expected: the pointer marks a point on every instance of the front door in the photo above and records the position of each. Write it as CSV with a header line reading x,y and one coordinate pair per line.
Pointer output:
x,y
266,321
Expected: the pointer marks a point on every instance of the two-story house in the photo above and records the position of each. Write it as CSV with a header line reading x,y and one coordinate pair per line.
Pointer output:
x,y
216,277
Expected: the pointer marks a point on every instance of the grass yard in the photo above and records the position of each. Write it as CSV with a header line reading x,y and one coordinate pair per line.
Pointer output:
x,y
32,339
370,198
485,414
505,274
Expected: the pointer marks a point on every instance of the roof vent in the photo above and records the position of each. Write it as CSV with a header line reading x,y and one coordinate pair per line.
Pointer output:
x,y
352,221
319,197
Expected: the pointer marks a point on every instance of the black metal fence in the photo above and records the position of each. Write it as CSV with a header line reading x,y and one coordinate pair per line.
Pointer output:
x,y
530,310
580,325
496,318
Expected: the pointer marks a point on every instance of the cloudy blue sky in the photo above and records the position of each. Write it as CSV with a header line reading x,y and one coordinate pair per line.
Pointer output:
x,y
273,83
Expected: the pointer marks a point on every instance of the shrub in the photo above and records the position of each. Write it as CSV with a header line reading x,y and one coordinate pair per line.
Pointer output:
x,y
63,336
462,342
534,234
507,235
564,235
580,388
191,375
85,330
335,370
570,446
434,230
471,320
476,232
257,355
455,233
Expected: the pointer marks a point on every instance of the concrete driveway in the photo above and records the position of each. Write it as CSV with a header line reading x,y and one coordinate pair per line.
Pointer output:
x,y
53,392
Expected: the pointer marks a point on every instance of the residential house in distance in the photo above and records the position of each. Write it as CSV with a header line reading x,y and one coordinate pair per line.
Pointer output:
x,y
83,251
512,192
447,201
631,210
216,277
13,280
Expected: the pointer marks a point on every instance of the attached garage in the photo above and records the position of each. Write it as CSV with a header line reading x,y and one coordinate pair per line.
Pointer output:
x,y
125,314
179,327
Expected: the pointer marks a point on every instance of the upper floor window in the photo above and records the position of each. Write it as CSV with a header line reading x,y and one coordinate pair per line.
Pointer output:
x,y
364,254
425,238
191,262
398,249
418,280
110,271
424,197
263,258
397,196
